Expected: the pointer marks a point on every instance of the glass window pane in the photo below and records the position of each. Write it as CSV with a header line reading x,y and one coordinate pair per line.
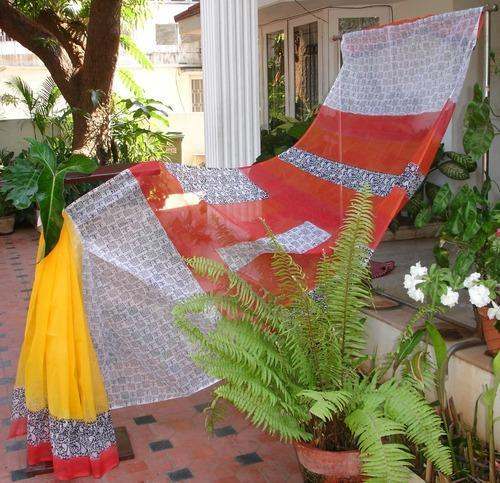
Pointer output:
x,y
275,49
197,94
349,24
305,38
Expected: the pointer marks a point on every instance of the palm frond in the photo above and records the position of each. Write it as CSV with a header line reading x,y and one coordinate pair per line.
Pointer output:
x,y
129,82
131,48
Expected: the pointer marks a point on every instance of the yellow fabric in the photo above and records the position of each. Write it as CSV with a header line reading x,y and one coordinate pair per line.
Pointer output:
x,y
58,366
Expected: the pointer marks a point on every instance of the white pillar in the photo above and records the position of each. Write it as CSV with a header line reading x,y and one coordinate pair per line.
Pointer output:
x,y
229,34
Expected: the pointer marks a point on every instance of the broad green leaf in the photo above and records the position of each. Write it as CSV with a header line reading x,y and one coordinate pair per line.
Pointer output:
x,y
407,346
464,262
463,160
50,195
431,190
423,217
42,154
441,200
442,256
471,229
20,183
438,342
496,366
479,131
415,204
298,129
453,170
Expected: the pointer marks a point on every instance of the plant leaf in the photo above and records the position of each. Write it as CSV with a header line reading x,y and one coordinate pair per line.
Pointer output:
x,y
479,131
424,217
453,170
441,200
438,342
463,160
50,194
20,183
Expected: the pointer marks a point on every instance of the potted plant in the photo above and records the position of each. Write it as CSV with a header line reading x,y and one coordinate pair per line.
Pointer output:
x,y
293,363
38,176
470,231
7,216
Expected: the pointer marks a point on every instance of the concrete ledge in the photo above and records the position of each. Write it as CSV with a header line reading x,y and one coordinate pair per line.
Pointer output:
x,y
469,370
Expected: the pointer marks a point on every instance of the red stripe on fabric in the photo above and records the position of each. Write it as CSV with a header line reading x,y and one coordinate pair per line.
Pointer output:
x,y
378,143
68,469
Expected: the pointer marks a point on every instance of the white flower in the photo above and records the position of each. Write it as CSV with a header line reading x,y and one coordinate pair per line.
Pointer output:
x,y
417,271
450,298
416,294
411,282
471,279
479,295
494,312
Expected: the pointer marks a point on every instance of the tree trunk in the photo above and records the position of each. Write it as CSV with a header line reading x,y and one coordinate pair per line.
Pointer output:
x,y
91,132
81,66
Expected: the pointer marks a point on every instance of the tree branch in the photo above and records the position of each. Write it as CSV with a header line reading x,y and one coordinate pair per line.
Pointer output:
x,y
42,43
73,46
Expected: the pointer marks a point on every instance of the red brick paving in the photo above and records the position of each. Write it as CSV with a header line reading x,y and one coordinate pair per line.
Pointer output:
x,y
206,458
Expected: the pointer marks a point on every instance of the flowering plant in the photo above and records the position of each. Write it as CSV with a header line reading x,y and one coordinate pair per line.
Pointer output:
x,y
438,287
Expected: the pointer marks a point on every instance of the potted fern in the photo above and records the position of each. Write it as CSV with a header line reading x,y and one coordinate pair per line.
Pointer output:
x,y
292,364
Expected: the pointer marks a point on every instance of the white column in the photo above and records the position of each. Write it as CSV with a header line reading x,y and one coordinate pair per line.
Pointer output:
x,y
229,34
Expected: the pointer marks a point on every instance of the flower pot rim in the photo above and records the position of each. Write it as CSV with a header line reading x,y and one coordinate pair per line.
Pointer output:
x,y
315,448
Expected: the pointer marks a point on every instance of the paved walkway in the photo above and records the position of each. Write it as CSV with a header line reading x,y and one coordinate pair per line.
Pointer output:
x,y
168,438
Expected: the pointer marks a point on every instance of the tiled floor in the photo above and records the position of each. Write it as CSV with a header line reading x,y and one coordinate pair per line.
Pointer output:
x,y
168,438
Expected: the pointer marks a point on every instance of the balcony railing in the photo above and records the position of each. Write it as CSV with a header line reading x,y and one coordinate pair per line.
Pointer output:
x,y
13,54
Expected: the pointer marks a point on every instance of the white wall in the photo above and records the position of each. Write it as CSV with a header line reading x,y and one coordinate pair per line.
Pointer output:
x,y
13,134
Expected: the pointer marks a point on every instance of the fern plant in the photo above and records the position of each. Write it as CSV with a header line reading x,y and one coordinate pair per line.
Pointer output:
x,y
291,362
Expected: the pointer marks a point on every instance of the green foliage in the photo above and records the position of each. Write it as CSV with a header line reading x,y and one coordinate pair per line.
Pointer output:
x,y
291,362
137,130
6,206
41,106
488,398
285,133
478,135
479,131
39,176
470,225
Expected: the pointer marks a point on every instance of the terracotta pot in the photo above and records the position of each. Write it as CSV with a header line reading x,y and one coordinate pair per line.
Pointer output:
x,y
328,466
490,334
7,224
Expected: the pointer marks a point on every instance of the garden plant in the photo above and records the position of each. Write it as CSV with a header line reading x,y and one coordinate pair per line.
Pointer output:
x,y
295,363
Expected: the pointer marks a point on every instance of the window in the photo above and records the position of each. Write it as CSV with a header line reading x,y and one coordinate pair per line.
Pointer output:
x,y
305,61
197,95
350,24
4,37
276,94
166,34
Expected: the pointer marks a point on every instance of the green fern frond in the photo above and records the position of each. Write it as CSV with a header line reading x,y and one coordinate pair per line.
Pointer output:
x,y
327,403
268,418
382,461
342,278
422,425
